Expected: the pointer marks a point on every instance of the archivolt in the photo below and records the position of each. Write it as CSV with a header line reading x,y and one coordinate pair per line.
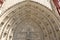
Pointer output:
x,y
30,12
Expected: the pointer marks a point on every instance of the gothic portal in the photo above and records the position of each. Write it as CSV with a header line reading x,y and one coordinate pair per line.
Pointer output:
x,y
29,20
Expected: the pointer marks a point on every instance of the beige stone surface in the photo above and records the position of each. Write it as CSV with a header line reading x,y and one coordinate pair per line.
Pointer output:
x,y
29,20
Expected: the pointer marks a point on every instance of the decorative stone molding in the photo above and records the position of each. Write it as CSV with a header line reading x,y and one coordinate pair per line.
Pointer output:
x,y
31,21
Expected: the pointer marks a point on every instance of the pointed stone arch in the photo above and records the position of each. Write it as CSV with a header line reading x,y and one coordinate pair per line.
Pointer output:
x,y
33,16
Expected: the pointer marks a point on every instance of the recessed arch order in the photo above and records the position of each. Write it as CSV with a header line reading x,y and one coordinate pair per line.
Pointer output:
x,y
29,20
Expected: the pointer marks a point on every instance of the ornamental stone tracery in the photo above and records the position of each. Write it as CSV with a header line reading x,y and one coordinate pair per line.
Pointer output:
x,y
29,20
